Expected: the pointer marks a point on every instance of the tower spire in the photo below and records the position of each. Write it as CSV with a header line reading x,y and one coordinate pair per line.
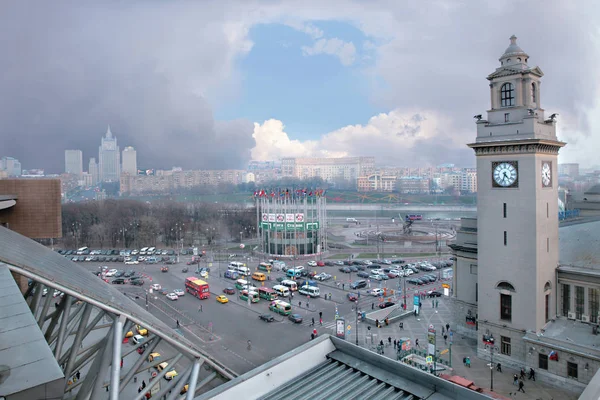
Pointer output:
x,y
108,132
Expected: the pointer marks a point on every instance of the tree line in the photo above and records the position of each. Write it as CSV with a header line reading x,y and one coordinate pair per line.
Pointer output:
x,y
124,223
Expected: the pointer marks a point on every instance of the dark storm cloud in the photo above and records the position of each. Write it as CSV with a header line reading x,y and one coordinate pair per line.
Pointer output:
x,y
71,68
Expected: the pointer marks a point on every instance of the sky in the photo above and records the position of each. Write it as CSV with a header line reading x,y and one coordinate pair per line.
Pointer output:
x,y
212,84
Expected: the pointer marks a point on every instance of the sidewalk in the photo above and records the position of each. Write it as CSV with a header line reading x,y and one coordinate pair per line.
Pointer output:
x,y
479,373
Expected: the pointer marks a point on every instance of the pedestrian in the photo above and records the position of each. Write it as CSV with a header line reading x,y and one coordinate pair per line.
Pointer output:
x,y
387,321
442,330
107,388
445,338
521,384
499,367
389,340
200,309
532,374
377,323
78,375
121,363
417,343
447,327
320,314
321,321
315,332
432,303
177,324
140,389
312,336
143,384
515,380
313,322
372,306
134,379
394,343
381,342
401,325
343,286
522,373
299,304
437,303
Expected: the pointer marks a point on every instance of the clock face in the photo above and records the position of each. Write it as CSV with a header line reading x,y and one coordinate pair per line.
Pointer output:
x,y
505,174
546,174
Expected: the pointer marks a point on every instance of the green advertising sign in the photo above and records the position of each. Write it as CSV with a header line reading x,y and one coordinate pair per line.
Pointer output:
x,y
290,226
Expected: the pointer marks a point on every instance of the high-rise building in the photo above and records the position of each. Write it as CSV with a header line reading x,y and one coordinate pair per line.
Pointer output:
x,y
129,160
328,169
571,170
517,191
93,171
12,166
109,167
74,162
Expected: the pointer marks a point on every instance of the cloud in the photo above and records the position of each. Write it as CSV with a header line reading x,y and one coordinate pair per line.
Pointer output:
x,y
410,138
345,51
305,27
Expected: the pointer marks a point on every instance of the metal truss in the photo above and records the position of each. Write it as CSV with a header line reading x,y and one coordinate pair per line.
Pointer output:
x,y
67,321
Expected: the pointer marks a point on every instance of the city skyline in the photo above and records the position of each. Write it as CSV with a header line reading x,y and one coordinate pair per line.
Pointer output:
x,y
345,78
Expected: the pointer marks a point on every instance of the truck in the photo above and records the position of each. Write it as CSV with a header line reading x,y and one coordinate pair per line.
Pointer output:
x,y
197,287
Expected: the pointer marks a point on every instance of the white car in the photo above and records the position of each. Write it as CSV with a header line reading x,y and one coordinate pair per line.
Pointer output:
x,y
179,292
156,286
111,272
312,263
376,292
132,262
172,296
408,272
137,339
377,272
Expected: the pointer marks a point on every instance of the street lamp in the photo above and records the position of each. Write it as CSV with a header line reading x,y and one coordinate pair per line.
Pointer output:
x,y
491,348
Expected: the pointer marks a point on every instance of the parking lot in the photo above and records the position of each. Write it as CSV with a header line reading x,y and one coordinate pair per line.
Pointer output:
x,y
223,329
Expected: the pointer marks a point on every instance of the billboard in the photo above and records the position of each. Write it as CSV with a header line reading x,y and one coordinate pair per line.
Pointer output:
x,y
146,172
280,217
290,226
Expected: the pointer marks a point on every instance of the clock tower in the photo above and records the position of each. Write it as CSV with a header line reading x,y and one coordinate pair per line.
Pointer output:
x,y
517,209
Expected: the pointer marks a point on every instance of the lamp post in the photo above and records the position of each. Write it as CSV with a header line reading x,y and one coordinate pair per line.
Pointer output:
x,y
491,349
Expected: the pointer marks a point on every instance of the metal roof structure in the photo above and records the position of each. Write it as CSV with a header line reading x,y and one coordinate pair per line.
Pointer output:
x,y
49,270
331,368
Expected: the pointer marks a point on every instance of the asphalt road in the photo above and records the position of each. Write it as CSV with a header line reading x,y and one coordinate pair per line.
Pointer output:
x,y
223,330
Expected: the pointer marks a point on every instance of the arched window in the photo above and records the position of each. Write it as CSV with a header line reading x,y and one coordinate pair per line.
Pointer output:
x,y
507,95
506,286
547,286
533,94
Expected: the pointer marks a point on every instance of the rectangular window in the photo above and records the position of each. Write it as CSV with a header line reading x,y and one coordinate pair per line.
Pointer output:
x,y
547,211
506,117
505,345
473,268
547,305
579,301
571,370
504,210
593,298
505,307
505,238
566,299
547,245
543,361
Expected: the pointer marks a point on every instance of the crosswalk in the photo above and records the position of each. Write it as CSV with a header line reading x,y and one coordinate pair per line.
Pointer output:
x,y
308,323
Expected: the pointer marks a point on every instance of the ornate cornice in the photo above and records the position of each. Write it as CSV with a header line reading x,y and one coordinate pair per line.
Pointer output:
x,y
531,146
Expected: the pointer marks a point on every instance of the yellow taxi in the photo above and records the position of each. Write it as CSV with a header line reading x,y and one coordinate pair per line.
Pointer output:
x,y
169,375
184,389
154,357
129,334
141,331
222,299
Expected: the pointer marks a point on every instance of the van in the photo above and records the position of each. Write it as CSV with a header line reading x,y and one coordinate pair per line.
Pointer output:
x,y
231,274
281,307
311,291
264,267
291,285
351,220
259,276
83,250
358,284
241,284
281,290
235,264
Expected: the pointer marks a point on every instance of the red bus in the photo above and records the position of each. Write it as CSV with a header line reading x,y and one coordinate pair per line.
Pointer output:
x,y
197,287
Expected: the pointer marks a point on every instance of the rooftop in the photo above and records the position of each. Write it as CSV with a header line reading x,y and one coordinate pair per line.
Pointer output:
x,y
27,361
573,335
332,368
580,245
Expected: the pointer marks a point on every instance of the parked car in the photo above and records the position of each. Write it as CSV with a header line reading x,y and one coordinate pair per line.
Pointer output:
x,y
363,274
111,272
229,290
137,282
376,292
434,293
414,281
132,262
386,304
118,281
129,273
346,270
295,318
320,263
312,263
155,286
322,276
266,317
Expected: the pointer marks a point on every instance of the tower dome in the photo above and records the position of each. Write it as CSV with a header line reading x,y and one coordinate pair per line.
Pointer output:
x,y
514,55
